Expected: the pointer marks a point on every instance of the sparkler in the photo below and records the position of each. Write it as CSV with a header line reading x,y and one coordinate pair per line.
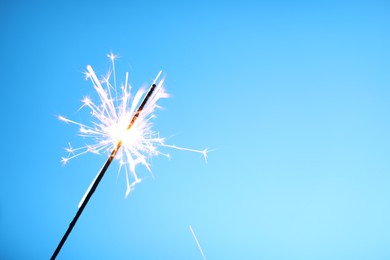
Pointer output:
x,y
132,143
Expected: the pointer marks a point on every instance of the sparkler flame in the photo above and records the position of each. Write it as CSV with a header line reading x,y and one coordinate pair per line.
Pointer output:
x,y
110,124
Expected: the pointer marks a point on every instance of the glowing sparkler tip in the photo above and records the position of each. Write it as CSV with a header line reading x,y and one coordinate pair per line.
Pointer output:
x,y
110,125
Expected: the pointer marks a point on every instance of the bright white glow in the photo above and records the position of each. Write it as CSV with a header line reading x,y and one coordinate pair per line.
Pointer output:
x,y
110,121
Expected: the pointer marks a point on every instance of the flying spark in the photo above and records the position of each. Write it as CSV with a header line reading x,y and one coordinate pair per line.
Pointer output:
x,y
197,243
110,124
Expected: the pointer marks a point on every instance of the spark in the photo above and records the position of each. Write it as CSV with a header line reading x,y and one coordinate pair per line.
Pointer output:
x,y
110,121
197,242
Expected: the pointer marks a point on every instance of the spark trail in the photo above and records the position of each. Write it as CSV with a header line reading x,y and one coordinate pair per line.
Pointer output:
x,y
197,242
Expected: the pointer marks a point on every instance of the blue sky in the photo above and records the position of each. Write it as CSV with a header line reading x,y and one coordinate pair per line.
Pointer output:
x,y
293,97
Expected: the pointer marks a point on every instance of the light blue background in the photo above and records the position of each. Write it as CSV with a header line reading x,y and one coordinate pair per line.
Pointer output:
x,y
293,97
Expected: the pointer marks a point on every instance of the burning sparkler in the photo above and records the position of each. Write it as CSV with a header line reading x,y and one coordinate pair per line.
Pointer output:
x,y
110,124
119,129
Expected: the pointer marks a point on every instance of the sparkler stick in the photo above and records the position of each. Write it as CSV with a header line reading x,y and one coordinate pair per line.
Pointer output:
x,y
101,173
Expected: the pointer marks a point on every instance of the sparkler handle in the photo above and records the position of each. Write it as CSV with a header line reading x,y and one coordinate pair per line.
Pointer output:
x,y
85,202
